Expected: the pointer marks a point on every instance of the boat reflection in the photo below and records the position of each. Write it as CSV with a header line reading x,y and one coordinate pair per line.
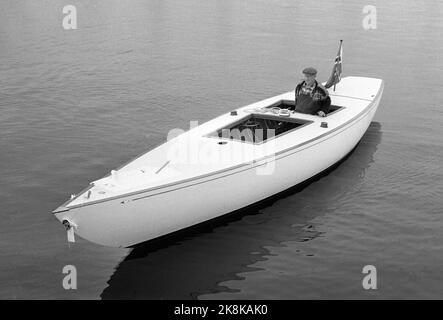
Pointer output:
x,y
197,261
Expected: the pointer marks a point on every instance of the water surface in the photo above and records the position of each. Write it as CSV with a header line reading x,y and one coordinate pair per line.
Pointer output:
x,y
76,104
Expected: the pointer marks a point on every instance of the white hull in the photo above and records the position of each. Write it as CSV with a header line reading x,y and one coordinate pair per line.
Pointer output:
x,y
140,216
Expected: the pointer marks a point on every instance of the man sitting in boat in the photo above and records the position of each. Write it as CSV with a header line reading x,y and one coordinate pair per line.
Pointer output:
x,y
310,96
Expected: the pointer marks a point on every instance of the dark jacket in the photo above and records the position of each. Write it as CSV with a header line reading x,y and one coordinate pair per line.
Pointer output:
x,y
317,100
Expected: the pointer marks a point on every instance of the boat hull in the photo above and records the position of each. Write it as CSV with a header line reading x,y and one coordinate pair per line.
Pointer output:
x,y
133,219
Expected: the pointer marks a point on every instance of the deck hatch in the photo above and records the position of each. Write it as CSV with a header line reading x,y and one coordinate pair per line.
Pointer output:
x,y
257,128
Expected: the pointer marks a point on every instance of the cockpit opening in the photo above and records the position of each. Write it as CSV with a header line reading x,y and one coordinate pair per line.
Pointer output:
x,y
290,105
257,128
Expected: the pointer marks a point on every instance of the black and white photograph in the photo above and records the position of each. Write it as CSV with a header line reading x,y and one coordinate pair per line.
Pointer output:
x,y
221,154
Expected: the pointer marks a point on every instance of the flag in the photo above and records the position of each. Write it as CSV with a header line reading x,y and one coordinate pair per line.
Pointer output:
x,y
337,69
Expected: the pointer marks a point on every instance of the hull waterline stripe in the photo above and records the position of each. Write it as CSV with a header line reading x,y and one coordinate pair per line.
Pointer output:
x,y
339,95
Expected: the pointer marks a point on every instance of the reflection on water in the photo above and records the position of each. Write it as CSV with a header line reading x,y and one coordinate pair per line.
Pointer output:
x,y
198,262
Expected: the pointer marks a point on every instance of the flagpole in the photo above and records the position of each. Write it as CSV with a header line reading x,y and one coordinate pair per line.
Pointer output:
x,y
339,51
336,74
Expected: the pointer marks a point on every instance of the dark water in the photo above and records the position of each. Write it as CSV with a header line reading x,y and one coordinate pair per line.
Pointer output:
x,y
75,104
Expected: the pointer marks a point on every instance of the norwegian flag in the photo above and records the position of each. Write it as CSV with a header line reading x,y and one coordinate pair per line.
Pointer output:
x,y
337,69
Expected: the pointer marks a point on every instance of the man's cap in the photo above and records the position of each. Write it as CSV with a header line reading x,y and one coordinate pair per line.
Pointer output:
x,y
310,71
